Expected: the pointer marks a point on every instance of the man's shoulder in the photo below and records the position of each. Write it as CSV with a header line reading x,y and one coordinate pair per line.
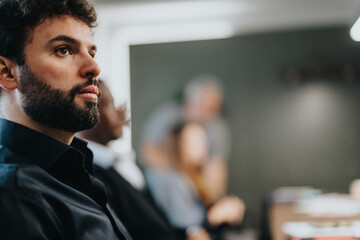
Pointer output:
x,y
9,163
20,175
18,182
7,155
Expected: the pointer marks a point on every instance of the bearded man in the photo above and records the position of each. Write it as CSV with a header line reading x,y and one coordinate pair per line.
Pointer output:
x,y
49,91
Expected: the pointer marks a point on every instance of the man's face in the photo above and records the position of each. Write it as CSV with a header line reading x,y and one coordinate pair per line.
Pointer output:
x,y
112,118
58,83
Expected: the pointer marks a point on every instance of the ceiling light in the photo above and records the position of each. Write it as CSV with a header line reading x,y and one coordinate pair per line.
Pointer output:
x,y
355,31
177,32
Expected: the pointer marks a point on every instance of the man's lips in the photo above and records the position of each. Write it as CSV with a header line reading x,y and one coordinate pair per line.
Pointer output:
x,y
89,92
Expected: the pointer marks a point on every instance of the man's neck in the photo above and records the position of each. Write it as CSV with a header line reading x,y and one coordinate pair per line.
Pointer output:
x,y
60,135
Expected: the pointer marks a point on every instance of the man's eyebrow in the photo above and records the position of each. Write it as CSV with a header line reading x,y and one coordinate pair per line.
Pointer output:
x,y
65,39
70,40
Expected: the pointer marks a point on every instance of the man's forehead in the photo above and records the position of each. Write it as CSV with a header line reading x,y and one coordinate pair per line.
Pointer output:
x,y
67,26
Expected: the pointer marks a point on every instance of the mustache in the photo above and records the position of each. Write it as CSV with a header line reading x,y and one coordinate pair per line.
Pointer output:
x,y
76,89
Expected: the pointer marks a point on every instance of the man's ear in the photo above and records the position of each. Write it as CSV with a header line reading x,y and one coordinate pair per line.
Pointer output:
x,y
8,79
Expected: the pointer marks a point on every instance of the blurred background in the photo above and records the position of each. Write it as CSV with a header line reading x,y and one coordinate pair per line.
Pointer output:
x,y
290,71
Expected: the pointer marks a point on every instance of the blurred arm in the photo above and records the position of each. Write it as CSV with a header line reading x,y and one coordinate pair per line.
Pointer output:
x,y
200,234
229,209
215,175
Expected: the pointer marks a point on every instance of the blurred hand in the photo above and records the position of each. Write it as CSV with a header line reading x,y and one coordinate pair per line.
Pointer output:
x,y
229,209
201,234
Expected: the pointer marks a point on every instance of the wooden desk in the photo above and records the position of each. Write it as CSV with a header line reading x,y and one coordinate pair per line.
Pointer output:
x,y
280,213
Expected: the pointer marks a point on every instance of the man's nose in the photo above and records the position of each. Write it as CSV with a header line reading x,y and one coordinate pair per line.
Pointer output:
x,y
89,68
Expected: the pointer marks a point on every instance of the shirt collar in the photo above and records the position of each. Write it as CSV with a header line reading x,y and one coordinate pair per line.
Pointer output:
x,y
35,146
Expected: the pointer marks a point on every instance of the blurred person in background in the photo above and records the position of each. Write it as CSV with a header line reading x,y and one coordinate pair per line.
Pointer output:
x,y
203,98
112,121
123,179
183,192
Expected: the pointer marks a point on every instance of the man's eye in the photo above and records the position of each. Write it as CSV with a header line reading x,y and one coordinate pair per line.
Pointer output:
x,y
63,51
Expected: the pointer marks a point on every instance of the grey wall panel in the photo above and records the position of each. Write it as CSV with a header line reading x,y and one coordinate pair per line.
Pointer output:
x,y
282,134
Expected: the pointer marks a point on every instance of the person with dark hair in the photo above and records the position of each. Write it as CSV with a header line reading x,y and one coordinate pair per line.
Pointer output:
x,y
49,91
182,193
121,176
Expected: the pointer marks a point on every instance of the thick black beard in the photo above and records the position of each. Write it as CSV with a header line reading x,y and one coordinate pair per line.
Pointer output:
x,y
56,108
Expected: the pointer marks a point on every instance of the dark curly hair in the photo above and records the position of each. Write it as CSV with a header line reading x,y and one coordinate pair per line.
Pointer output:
x,y
18,19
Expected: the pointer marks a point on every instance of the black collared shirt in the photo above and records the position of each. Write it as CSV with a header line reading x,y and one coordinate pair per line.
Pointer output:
x,y
47,190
